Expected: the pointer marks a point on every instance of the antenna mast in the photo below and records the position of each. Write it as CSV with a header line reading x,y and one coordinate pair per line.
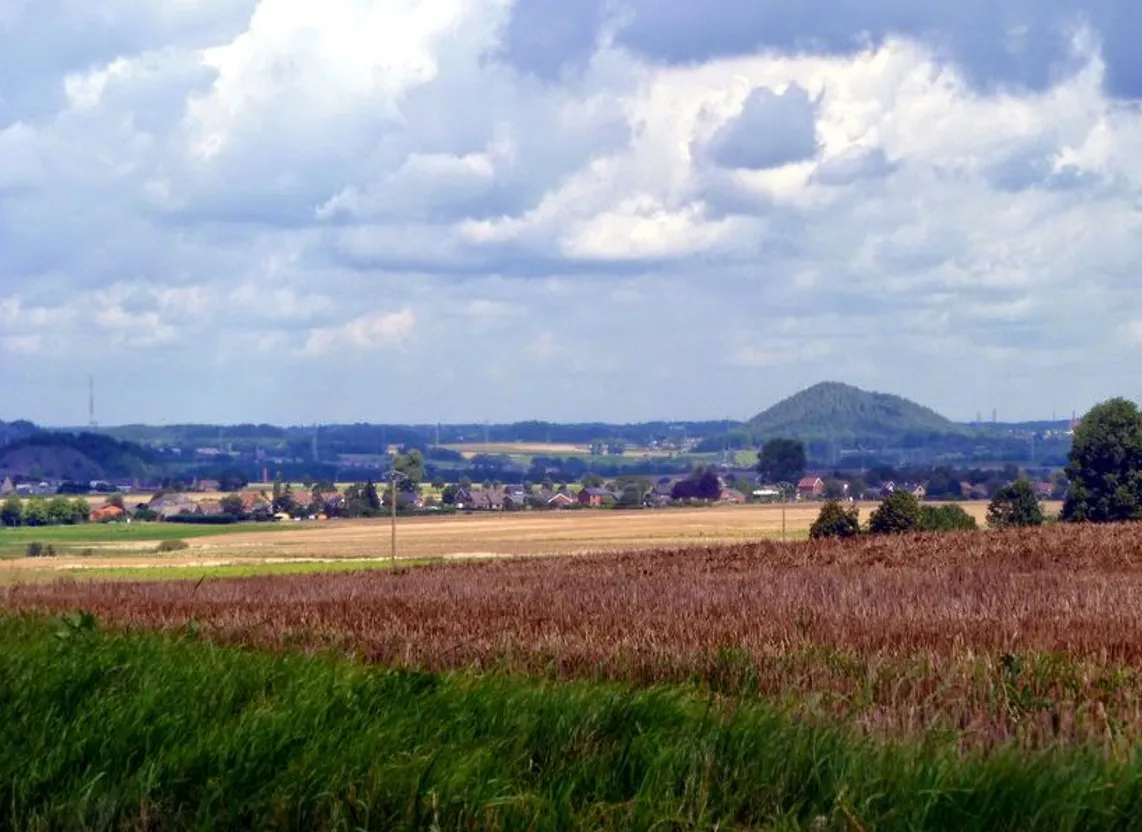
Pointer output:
x,y
91,402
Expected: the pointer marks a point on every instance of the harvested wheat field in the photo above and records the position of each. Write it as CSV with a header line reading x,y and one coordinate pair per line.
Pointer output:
x,y
460,537
1033,636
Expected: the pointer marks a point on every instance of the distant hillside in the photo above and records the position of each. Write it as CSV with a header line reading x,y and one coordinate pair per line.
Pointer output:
x,y
66,456
15,431
832,411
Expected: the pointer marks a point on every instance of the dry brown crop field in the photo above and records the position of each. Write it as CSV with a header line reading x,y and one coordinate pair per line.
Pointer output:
x,y
1026,636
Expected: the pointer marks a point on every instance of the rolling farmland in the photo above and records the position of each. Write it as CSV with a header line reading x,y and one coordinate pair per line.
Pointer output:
x,y
1028,636
457,537
958,680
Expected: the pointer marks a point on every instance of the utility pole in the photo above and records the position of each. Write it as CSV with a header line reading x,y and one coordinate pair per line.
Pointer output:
x,y
785,488
393,501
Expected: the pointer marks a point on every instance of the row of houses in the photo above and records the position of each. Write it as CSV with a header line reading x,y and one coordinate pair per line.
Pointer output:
x,y
812,487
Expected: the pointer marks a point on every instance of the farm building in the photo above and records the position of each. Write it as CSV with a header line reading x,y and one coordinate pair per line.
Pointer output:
x,y
810,488
596,497
107,514
171,505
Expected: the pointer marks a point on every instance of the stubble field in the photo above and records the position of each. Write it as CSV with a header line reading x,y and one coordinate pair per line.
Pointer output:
x,y
421,538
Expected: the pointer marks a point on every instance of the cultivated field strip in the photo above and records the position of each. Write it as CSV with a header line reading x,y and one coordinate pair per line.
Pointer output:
x,y
1030,635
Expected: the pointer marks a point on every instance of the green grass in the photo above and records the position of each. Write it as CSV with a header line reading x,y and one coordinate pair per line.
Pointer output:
x,y
236,570
108,732
74,539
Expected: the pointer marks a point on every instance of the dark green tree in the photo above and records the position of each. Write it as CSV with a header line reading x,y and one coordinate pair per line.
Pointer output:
x,y
116,500
36,512
411,467
80,510
782,460
630,497
1105,465
232,505
60,511
835,489
371,498
897,513
283,497
834,520
12,512
1015,505
945,518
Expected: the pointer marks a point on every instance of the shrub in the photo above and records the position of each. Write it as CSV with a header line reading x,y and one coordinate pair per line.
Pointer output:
x,y
172,546
36,549
1015,505
835,521
946,518
204,519
897,513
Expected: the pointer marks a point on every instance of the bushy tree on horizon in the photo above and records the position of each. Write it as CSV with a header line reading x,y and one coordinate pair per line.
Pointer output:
x,y
232,504
1015,505
945,518
782,460
898,513
834,520
12,512
1105,465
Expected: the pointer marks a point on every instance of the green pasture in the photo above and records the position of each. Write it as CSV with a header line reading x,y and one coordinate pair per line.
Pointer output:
x,y
107,732
75,539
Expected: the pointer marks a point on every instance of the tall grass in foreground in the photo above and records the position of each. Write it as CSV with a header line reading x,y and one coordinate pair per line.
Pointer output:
x,y
144,731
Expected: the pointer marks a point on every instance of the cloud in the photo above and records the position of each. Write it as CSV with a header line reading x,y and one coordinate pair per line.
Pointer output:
x,y
565,210
366,333
772,130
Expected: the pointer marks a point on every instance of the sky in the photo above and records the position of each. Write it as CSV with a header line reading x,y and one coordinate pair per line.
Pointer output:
x,y
617,210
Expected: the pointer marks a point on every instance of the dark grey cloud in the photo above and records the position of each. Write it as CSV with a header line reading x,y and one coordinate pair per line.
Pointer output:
x,y
1032,165
995,42
548,37
854,165
773,129
45,40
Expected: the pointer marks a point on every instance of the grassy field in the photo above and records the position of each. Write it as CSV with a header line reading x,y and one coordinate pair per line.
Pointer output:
x,y
145,732
106,538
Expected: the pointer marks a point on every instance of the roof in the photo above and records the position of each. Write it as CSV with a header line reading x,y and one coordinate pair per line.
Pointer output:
x,y
107,511
809,482
597,492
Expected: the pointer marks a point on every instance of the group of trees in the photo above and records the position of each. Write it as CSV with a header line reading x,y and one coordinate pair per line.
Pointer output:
x,y
1104,474
901,512
40,511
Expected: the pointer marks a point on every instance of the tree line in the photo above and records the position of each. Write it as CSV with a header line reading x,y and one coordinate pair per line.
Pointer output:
x,y
1103,477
